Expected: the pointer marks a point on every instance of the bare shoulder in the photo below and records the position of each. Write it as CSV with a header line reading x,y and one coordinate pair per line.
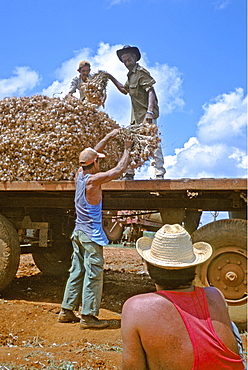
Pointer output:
x,y
139,310
217,305
139,301
146,302
96,179
153,313
214,295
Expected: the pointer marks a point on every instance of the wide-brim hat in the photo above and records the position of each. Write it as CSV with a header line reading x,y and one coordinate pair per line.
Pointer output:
x,y
88,155
172,248
127,49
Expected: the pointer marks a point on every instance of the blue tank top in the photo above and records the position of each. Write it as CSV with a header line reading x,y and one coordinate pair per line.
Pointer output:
x,y
89,217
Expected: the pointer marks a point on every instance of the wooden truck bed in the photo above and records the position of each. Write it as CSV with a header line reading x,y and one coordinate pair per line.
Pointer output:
x,y
204,194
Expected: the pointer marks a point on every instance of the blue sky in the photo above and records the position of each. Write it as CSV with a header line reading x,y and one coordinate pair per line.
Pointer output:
x,y
195,49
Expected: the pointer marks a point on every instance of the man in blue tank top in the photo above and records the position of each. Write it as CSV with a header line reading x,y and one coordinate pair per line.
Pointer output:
x,y
88,238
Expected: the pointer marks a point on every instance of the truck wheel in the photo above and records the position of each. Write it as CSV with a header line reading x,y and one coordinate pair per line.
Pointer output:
x,y
55,260
226,269
113,229
9,252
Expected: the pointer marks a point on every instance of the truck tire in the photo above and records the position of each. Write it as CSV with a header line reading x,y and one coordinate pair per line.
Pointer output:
x,y
112,228
55,260
9,252
226,268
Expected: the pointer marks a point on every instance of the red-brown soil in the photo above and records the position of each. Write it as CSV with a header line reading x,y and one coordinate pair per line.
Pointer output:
x,y
31,336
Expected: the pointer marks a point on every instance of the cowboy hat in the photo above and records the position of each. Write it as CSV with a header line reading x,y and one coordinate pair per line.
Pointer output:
x,y
172,248
127,49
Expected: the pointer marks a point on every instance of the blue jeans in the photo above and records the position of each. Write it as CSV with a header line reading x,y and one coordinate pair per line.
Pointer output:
x,y
239,342
86,276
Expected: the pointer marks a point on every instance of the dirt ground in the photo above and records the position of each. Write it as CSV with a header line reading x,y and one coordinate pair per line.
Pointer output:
x,y
31,336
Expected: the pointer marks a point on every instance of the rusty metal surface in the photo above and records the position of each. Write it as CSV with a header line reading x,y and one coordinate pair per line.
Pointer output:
x,y
136,185
180,184
203,194
37,186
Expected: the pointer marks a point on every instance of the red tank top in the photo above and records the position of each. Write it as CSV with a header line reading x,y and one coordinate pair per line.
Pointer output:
x,y
209,351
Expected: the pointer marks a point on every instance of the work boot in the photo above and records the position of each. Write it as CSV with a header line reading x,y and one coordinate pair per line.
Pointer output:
x,y
92,322
159,177
128,176
66,315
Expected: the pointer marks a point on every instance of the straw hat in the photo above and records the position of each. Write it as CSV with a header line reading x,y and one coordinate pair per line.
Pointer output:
x,y
88,155
172,248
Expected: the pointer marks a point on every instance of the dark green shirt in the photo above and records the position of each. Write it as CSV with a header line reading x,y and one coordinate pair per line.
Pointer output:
x,y
138,84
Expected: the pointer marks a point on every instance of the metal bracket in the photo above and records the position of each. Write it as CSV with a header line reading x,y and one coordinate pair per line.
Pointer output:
x,y
236,200
43,228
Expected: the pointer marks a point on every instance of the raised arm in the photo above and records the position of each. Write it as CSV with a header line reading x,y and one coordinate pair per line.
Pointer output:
x,y
101,145
119,86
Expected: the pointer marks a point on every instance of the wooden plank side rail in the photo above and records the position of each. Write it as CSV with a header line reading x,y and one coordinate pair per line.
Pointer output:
x,y
136,185
205,194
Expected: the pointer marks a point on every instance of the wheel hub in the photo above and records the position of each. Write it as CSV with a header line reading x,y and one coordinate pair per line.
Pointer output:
x,y
227,272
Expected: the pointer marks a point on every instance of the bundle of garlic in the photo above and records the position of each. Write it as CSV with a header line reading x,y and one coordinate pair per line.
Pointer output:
x,y
145,142
41,137
94,88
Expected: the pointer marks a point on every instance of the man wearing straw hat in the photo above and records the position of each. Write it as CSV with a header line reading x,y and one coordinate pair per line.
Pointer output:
x,y
180,326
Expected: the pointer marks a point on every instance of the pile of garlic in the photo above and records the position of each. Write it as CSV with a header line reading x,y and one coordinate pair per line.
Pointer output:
x,y
41,137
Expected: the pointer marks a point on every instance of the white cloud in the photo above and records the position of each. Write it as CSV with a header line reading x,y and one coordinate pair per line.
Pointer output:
x,y
219,150
168,87
23,79
241,159
202,161
224,119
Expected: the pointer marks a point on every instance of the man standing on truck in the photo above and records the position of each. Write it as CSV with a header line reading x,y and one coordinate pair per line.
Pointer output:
x,y
140,87
88,238
84,75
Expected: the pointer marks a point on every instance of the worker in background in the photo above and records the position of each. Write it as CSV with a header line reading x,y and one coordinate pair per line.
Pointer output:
x,y
140,87
85,281
84,75
180,326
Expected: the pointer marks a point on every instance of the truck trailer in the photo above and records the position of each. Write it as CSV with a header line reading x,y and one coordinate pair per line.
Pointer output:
x,y
38,217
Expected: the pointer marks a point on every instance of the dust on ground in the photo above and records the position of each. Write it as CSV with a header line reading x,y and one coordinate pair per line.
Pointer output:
x,y
31,336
